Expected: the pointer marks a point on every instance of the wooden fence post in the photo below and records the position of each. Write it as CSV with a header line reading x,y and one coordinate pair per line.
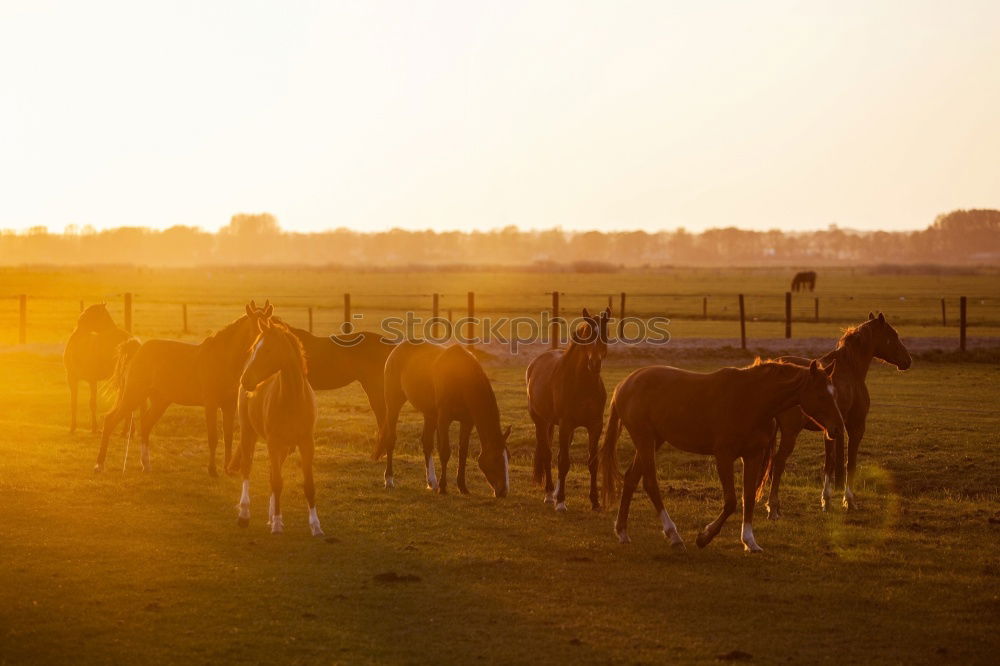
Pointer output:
x,y
555,315
348,326
743,325
310,320
611,305
944,316
22,315
621,315
788,314
816,302
435,312
184,316
470,327
128,311
961,322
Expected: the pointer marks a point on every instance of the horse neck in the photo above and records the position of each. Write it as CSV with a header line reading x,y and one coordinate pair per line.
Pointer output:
x,y
782,390
857,352
486,415
231,344
574,365
291,379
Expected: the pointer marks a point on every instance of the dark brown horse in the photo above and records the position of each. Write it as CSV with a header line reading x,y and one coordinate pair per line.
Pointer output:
x,y
445,385
90,356
337,360
853,355
277,404
565,389
166,371
727,414
804,279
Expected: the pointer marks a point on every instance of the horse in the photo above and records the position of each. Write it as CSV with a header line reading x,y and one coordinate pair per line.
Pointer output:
x,y
168,371
804,279
565,388
276,403
90,356
727,414
874,338
337,360
445,385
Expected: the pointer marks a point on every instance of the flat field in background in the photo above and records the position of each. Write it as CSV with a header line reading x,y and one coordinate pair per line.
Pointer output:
x,y
142,568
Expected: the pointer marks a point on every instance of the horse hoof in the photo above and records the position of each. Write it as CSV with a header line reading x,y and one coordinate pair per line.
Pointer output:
x,y
98,468
277,526
243,522
596,506
390,484
622,537
212,472
561,507
752,548
703,540
850,505
463,490
550,498
442,490
773,514
317,531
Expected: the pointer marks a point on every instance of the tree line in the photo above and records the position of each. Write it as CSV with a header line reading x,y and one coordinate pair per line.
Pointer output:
x,y
969,237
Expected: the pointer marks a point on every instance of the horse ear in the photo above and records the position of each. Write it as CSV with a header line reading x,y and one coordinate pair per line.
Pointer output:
x,y
814,368
253,304
250,310
268,309
586,313
830,367
267,303
881,318
606,314
871,315
506,433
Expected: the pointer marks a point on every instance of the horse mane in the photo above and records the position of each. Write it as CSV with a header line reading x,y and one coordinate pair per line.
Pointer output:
x,y
773,366
297,347
226,331
855,334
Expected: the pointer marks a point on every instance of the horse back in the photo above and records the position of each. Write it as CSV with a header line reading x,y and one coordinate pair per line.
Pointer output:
x,y
462,389
168,369
409,369
539,378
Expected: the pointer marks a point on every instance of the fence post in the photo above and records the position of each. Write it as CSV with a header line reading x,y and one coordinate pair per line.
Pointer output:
x,y
555,315
961,322
22,315
184,316
81,306
310,320
743,325
611,305
621,315
788,314
470,327
944,317
435,313
128,311
704,307
816,300
347,327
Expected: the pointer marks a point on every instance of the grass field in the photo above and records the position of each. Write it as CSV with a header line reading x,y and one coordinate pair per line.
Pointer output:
x,y
143,568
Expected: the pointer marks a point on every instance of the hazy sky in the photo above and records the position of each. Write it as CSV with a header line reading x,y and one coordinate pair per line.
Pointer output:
x,y
460,115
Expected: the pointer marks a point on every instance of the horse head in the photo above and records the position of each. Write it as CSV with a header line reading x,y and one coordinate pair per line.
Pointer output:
x,y
95,318
270,352
494,462
888,346
591,336
818,399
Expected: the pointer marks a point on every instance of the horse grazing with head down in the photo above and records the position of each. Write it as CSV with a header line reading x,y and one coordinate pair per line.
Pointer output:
x,y
90,356
727,414
565,389
277,404
445,385
804,279
875,338
163,372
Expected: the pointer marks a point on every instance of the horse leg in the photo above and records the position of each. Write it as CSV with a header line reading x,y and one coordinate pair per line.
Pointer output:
x,y
829,465
543,457
565,439
853,444
228,418
376,399
242,463
788,437
212,427
274,510
632,475
388,434
427,440
148,419
724,466
652,487
73,390
751,474
464,432
93,407
839,464
111,421
594,433
307,449
444,451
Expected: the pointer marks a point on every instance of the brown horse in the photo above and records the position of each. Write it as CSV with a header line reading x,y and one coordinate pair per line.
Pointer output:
x,y
90,356
338,360
853,355
565,388
167,371
276,403
445,385
727,414
804,279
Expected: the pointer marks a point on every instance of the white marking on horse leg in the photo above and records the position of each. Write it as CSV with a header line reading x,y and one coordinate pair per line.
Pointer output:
x,y
144,457
270,510
432,481
848,497
670,530
550,497
314,525
560,506
506,469
389,483
827,492
244,505
749,543
277,524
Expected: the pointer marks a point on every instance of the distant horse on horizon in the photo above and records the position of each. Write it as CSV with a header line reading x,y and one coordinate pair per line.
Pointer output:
x,y
163,372
875,338
565,389
445,384
276,403
727,414
804,279
90,356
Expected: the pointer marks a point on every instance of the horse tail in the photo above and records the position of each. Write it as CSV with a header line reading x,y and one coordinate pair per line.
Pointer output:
x,y
610,474
767,464
123,357
543,457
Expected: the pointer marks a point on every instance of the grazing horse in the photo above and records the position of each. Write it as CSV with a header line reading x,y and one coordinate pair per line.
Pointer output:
x,y
804,279
276,403
90,356
338,360
728,414
445,385
167,371
875,338
565,388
